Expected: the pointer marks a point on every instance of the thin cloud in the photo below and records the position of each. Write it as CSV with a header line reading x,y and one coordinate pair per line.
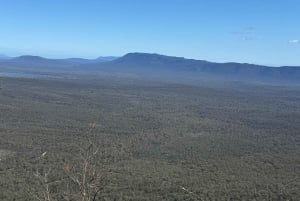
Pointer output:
x,y
249,28
248,38
295,41
246,33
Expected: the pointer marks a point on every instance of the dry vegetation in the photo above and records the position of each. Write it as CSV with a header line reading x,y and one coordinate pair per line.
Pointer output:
x,y
149,141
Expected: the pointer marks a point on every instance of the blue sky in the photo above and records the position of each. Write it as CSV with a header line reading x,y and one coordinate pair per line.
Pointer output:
x,y
256,31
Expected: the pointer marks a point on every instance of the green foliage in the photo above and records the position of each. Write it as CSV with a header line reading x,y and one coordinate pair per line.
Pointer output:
x,y
155,141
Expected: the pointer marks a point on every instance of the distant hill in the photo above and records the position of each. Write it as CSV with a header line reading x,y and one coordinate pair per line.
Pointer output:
x,y
158,66
157,61
4,57
109,58
29,61
37,61
29,58
76,61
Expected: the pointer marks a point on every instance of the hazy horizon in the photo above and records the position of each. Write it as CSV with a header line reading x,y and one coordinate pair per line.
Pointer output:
x,y
118,56
235,31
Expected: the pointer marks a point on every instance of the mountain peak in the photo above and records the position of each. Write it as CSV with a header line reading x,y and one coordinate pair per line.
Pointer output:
x,y
149,58
148,55
29,58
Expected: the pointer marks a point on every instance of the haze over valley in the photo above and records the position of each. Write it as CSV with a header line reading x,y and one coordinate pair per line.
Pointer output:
x,y
149,100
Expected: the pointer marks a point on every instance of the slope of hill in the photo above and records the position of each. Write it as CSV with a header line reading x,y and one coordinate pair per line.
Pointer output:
x,y
157,66
154,65
4,57
26,60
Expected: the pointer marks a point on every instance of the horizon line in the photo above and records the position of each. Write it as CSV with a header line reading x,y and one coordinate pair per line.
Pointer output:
x,y
153,53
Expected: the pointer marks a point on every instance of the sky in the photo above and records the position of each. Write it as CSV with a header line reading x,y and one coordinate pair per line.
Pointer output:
x,y
248,31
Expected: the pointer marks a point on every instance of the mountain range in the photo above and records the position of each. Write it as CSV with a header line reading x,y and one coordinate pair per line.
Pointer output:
x,y
156,66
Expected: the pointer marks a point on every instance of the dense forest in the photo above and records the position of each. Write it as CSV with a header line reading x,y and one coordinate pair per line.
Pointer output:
x,y
125,139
